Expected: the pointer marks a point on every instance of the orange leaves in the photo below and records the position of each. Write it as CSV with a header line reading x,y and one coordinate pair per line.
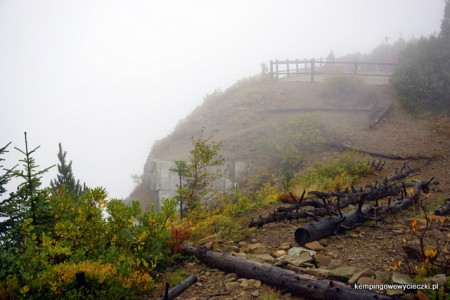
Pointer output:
x,y
286,198
414,225
178,234
423,243
61,277
139,280
441,220
430,253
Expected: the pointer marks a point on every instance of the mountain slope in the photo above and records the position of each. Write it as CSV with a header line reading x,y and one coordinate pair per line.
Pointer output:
x,y
246,114
256,117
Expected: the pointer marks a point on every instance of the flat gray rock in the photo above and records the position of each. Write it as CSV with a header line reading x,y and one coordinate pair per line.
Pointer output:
x,y
298,250
342,273
400,278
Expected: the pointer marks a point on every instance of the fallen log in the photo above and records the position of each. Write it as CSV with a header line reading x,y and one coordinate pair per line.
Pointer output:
x,y
380,116
404,172
278,216
343,147
376,190
344,200
317,109
300,202
444,209
304,285
329,226
179,289
370,195
309,202
332,225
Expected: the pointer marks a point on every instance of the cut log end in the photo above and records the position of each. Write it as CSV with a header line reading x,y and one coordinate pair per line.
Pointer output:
x,y
302,236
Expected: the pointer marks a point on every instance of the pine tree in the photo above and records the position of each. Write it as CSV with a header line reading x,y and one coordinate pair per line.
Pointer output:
x,y
65,177
4,178
7,255
445,24
422,76
29,201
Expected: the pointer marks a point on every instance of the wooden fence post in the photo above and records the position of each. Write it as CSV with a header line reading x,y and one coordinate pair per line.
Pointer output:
x,y
287,67
271,69
356,67
312,69
276,69
296,67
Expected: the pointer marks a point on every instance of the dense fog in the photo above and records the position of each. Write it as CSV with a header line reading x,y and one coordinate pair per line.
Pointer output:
x,y
108,78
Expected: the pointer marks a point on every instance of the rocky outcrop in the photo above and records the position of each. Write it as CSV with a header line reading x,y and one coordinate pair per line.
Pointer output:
x,y
162,183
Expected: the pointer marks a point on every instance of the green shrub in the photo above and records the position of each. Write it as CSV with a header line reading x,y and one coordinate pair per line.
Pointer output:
x,y
51,234
118,255
9,287
422,77
341,87
294,140
332,175
103,281
176,276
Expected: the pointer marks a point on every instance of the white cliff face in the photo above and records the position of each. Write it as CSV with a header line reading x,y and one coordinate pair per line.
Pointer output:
x,y
163,183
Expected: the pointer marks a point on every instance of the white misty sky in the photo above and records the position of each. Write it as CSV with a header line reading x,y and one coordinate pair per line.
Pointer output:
x,y
108,78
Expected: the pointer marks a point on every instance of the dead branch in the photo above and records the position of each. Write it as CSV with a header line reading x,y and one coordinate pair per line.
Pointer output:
x,y
343,147
179,289
380,116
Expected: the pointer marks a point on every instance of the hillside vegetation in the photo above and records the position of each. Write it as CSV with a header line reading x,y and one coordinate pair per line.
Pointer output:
x,y
259,119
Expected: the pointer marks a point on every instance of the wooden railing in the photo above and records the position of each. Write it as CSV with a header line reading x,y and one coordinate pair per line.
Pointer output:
x,y
311,69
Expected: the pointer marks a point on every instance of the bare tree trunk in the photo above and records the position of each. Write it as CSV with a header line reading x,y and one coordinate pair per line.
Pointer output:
x,y
304,285
443,209
179,289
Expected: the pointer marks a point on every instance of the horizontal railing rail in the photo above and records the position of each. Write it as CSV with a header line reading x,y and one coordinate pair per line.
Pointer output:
x,y
280,69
